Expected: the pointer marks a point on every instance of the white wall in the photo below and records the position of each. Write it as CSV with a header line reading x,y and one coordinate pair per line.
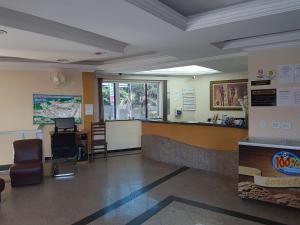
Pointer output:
x,y
269,60
202,87
16,89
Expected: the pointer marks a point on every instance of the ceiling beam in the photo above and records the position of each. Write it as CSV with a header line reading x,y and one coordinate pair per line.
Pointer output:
x,y
262,40
156,61
43,66
27,22
241,12
229,14
161,11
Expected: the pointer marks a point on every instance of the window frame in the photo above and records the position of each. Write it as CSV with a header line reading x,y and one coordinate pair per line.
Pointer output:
x,y
116,83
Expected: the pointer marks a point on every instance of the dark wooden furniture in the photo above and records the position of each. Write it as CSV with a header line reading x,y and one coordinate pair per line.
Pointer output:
x,y
64,148
81,139
98,138
2,186
63,145
28,162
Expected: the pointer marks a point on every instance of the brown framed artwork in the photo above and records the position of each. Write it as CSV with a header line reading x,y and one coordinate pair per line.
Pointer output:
x,y
225,94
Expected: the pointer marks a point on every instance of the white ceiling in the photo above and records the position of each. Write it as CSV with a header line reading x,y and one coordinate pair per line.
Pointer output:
x,y
76,29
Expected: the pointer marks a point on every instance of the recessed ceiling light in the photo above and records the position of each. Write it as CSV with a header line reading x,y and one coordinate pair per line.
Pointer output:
x,y
2,32
183,70
62,60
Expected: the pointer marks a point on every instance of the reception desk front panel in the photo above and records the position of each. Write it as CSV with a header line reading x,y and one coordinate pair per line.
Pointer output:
x,y
201,146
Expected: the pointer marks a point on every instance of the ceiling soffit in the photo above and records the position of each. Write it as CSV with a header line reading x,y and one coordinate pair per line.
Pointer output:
x,y
193,7
230,14
23,21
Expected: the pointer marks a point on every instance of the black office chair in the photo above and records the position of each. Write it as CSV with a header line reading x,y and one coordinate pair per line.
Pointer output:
x,y
64,148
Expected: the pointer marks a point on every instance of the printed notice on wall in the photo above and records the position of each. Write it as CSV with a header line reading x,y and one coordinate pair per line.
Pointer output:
x,y
286,74
89,109
189,99
284,97
288,97
297,97
297,73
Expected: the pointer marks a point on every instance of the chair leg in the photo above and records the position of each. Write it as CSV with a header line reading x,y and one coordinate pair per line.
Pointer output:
x,y
105,151
92,154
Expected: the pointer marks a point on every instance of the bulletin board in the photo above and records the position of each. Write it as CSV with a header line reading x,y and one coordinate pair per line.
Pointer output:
x,y
48,107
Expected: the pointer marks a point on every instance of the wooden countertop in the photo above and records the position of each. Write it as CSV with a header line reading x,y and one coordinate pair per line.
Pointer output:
x,y
198,135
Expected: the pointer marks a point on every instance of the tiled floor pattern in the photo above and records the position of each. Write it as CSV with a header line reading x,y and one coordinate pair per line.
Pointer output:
x,y
102,183
178,213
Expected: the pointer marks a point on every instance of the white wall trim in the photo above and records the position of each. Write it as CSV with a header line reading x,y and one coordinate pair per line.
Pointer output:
x,y
163,12
284,37
272,46
241,12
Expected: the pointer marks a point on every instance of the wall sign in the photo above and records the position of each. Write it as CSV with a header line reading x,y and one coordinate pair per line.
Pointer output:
x,y
263,97
260,82
189,99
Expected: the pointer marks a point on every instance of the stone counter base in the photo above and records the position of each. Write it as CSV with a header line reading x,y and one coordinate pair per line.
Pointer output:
x,y
169,151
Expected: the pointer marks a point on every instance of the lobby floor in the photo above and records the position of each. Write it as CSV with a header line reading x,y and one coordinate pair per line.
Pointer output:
x,y
134,190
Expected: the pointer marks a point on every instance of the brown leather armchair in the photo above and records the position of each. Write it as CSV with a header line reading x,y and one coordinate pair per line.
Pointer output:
x,y
2,186
28,162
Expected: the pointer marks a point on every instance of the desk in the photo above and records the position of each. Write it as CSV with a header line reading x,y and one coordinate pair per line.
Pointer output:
x,y
81,139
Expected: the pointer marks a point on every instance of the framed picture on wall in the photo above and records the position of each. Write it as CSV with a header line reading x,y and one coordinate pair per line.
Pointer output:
x,y
225,94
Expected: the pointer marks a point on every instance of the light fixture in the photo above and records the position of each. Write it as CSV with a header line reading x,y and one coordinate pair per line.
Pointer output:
x,y
62,60
182,70
2,32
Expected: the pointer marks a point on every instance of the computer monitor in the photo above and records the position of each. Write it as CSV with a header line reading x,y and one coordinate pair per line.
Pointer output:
x,y
65,124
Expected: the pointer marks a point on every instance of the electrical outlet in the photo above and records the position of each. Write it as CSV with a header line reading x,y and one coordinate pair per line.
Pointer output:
x,y
276,125
263,124
286,125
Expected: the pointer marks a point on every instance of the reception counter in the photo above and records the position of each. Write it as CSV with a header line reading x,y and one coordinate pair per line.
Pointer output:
x,y
203,135
204,146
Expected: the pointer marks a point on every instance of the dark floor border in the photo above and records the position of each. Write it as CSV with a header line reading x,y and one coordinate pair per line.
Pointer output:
x,y
128,198
118,151
109,151
167,201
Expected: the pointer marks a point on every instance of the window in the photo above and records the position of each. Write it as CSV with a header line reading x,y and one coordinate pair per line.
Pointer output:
x,y
153,100
131,100
108,93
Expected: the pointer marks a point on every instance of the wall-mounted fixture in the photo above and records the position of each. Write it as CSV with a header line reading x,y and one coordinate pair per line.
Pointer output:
x,y
3,32
58,78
